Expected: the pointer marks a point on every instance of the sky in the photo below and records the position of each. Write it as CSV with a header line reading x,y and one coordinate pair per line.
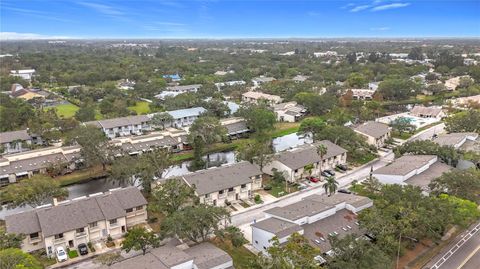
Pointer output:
x,y
46,19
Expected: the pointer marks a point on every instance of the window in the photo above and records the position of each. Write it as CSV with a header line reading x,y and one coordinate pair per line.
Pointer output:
x,y
243,186
129,210
139,207
49,250
256,242
80,230
230,189
58,236
34,235
220,192
113,221
296,170
206,195
93,224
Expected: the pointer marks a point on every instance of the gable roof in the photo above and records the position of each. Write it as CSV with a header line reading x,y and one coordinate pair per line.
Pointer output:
x,y
298,210
7,137
432,111
454,139
307,154
222,178
123,121
188,112
184,87
261,95
405,164
74,214
373,129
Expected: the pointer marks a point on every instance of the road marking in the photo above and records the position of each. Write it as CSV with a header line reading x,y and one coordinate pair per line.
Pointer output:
x,y
452,250
469,257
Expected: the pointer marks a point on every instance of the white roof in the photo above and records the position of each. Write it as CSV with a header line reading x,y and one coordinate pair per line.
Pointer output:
x,y
188,112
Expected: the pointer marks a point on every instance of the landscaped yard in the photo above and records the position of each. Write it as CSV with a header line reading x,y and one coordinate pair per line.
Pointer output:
x,y
141,108
65,110
241,256
278,188
81,175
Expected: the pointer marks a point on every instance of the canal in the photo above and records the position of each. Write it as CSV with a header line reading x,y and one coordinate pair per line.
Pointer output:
x,y
213,159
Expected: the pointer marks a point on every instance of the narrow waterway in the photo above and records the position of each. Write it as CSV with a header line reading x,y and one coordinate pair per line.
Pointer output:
x,y
214,159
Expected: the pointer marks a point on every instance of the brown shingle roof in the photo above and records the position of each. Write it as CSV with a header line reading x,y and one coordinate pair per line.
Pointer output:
x,y
373,129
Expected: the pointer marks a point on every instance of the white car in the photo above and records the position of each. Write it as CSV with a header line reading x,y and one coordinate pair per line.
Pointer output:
x,y
61,254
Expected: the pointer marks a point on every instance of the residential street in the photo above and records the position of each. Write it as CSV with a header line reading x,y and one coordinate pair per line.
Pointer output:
x,y
462,253
256,213
428,133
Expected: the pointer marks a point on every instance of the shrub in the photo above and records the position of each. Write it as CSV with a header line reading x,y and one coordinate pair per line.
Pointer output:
x,y
258,199
91,247
72,254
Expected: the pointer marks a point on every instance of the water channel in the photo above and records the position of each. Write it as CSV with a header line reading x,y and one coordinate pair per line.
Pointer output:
x,y
214,159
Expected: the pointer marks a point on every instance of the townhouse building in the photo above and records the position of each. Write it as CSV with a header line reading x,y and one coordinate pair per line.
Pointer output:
x,y
184,117
124,126
296,164
86,219
227,183
375,133
18,141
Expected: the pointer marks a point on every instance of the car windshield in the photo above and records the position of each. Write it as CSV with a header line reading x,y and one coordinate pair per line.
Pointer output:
x,y
61,252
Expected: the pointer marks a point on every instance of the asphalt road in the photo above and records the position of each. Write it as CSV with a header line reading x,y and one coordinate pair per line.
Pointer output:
x,y
256,213
428,133
462,253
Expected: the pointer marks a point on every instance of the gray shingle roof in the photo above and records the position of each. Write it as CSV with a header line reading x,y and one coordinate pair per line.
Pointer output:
x,y
237,127
147,261
184,87
278,227
452,139
74,214
222,178
431,111
23,223
307,154
338,198
207,256
124,121
7,137
32,164
373,129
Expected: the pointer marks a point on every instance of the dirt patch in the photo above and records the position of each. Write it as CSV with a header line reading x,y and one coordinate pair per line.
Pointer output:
x,y
411,254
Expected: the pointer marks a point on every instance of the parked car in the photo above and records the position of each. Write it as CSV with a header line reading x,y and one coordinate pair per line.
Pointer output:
x,y
61,254
325,174
342,167
344,191
330,172
313,179
82,249
267,188
302,186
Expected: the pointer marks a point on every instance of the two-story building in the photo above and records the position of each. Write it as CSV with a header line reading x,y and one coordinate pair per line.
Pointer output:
x,y
26,74
18,141
375,133
85,219
260,98
296,164
261,80
124,126
14,167
362,94
227,183
289,112
428,112
236,127
184,117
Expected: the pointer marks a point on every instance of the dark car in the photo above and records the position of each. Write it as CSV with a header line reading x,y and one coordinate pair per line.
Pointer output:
x,y
344,191
82,248
342,167
330,172
325,174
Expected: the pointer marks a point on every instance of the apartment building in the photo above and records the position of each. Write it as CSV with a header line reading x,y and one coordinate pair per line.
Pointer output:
x,y
289,112
294,163
14,167
185,117
260,98
18,141
236,127
227,183
375,133
124,126
85,219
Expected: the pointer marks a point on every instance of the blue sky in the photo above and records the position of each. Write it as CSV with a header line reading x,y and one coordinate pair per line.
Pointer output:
x,y
238,18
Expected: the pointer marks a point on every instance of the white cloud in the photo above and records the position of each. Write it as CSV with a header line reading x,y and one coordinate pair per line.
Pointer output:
x,y
390,6
27,36
104,9
380,28
359,8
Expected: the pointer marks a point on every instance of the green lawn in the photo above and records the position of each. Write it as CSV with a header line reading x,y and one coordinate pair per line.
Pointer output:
x,y
65,110
241,256
278,188
141,108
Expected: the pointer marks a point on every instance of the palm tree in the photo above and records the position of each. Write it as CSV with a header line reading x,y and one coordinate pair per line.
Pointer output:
x,y
321,150
330,186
